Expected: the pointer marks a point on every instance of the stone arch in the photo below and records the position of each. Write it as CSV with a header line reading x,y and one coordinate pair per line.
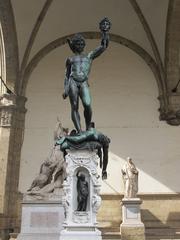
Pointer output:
x,y
93,35
172,44
9,45
172,63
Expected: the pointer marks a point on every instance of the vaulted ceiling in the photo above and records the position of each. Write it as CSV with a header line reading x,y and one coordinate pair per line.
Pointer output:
x,y
67,17
148,27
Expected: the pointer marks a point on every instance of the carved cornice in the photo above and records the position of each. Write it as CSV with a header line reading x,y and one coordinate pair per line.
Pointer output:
x,y
171,117
9,105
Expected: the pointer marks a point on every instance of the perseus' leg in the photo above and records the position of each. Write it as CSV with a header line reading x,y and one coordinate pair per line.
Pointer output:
x,y
74,100
86,101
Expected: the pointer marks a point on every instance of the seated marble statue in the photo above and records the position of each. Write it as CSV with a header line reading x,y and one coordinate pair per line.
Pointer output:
x,y
82,191
44,177
53,169
130,177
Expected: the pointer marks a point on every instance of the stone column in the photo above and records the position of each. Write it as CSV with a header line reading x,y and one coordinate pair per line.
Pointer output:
x,y
132,228
12,118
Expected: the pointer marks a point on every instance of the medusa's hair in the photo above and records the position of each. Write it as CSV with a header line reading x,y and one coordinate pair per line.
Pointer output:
x,y
105,24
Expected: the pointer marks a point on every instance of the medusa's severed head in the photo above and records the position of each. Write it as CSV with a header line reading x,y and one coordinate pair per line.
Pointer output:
x,y
105,25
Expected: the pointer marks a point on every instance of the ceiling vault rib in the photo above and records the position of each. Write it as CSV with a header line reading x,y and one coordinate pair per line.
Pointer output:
x,y
168,28
155,50
32,40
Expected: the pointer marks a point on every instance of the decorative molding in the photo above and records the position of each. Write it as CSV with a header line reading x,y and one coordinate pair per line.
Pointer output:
x,y
86,162
5,118
8,105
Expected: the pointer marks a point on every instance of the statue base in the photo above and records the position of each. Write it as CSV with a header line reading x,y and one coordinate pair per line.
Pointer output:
x,y
41,220
81,234
132,228
80,225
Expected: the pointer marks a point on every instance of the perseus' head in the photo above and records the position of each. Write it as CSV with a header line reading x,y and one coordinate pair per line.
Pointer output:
x,y
77,43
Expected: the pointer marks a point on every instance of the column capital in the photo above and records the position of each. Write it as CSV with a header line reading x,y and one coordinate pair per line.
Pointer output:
x,y
9,104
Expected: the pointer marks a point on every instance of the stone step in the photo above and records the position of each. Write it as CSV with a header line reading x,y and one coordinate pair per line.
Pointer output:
x,y
109,229
167,233
151,233
110,232
111,235
162,237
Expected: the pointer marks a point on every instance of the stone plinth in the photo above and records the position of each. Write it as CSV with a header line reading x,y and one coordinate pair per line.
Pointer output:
x,y
80,225
132,228
81,233
41,220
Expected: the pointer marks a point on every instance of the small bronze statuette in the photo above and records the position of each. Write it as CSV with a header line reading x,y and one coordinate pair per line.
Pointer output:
x,y
82,191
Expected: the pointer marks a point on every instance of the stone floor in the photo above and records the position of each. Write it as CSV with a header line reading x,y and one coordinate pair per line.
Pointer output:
x,y
151,234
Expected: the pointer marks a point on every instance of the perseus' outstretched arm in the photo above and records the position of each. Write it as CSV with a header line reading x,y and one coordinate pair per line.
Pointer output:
x,y
104,27
104,44
66,80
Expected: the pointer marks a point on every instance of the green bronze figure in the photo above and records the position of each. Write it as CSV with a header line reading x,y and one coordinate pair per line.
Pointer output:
x,y
77,73
90,139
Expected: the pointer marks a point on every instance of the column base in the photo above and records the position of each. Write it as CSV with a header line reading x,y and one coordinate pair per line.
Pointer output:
x,y
132,233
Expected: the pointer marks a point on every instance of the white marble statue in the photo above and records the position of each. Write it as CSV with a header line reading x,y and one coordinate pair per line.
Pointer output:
x,y
130,178
53,170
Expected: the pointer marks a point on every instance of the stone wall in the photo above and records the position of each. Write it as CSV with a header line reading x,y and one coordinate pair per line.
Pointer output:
x,y
125,107
158,211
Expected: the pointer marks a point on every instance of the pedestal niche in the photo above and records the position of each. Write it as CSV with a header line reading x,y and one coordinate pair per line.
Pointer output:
x,y
41,219
132,228
81,208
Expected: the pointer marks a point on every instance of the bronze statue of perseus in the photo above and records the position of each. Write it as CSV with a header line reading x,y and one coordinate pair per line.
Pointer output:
x,y
77,72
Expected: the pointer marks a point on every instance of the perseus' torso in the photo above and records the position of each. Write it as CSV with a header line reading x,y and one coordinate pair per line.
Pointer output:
x,y
80,67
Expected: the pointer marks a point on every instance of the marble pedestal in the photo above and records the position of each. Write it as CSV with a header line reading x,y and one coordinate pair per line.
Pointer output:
x,y
41,220
81,225
132,228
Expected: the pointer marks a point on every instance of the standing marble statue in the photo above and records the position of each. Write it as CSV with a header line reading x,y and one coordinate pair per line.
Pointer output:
x,y
77,72
130,178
